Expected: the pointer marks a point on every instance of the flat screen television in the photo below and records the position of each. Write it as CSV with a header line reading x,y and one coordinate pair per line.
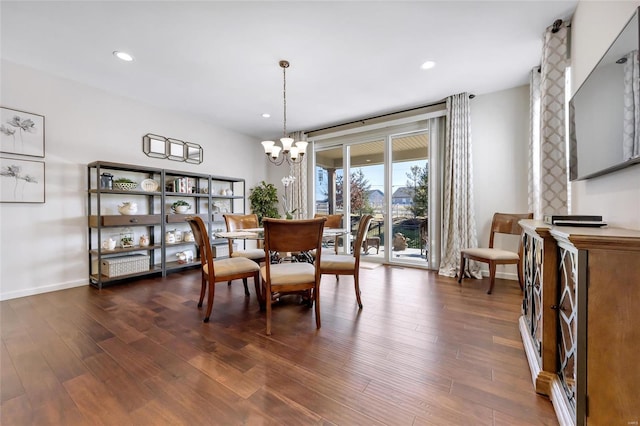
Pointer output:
x,y
604,113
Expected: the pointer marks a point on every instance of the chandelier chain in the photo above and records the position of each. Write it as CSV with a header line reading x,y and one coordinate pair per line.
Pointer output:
x,y
284,97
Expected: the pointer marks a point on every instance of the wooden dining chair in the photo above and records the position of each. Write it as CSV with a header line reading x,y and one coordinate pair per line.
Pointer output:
x,y
236,222
338,264
221,269
502,223
281,235
333,221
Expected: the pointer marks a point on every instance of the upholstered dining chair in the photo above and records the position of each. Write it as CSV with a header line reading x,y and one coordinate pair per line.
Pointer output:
x,y
281,235
333,221
338,264
502,223
222,269
236,222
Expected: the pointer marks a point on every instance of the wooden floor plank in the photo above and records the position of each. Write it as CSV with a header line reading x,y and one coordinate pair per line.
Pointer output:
x,y
423,351
95,401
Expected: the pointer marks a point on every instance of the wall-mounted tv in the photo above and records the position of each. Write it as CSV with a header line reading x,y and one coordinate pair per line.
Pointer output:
x,y
604,113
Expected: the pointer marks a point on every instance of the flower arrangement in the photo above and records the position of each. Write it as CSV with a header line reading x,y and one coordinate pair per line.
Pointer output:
x,y
287,181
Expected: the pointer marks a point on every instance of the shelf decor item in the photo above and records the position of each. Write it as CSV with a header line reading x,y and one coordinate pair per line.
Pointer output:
x,y
180,207
125,184
128,208
149,185
144,240
123,265
126,239
106,181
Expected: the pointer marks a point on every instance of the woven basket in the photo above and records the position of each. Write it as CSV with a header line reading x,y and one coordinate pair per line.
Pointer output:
x,y
125,186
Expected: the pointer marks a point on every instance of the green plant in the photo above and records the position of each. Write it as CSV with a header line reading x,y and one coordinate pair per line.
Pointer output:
x,y
264,201
180,203
124,180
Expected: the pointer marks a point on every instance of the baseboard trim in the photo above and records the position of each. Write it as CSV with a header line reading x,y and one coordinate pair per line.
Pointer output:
x,y
564,412
40,290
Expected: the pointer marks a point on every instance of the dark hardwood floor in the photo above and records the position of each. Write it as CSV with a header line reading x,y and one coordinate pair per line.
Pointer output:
x,y
422,351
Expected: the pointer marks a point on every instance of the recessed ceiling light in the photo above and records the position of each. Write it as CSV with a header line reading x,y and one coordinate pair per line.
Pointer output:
x,y
266,115
428,65
123,55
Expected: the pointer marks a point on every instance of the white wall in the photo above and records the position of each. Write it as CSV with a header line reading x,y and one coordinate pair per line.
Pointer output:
x,y
499,136
43,247
615,196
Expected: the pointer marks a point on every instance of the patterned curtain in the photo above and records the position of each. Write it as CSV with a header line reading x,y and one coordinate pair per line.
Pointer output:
x,y
552,179
631,129
458,212
299,171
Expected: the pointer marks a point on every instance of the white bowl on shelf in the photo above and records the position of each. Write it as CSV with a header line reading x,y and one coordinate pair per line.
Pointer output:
x,y
180,209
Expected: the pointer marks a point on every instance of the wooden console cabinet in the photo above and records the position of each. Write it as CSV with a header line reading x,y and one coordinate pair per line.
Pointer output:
x,y
581,321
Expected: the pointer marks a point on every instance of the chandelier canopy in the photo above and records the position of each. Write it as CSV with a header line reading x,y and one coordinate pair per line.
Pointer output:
x,y
291,152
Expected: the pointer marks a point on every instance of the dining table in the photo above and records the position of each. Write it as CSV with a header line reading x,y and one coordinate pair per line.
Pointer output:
x,y
257,234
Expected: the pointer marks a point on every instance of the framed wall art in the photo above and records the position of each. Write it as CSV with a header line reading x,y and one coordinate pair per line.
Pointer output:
x,y
21,181
21,132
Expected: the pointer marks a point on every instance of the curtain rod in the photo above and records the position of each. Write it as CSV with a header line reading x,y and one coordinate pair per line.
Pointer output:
x,y
364,120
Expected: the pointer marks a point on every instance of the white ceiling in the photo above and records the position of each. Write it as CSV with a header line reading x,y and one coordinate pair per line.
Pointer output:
x,y
218,61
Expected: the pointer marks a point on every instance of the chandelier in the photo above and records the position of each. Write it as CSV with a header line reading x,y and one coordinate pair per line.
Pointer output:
x,y
291,152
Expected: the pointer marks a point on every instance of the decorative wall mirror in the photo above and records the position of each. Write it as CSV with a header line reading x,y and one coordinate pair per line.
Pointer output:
x,y
154,146
193,153
175,149
157,146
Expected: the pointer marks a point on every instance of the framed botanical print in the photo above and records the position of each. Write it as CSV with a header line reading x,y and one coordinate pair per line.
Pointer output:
x,y
21,181
21,132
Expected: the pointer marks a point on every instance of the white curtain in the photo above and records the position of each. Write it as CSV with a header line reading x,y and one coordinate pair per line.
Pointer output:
x,y
299,171
458,212
548,180
631,129
534,143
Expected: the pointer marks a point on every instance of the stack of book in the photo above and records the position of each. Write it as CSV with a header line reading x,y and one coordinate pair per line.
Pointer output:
x,y
183,185
574,220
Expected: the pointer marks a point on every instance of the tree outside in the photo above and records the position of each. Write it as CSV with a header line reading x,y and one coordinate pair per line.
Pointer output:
x,y
359,188
418,181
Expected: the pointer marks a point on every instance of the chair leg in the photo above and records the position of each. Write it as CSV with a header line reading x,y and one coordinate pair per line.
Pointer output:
x,y
246,288
461,271
228,283
268,305
263,295
256,282
316,296
212,290
203,289
520,279
357,286
492,276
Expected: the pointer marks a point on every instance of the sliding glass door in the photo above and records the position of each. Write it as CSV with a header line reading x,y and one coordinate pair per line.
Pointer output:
x,y
409,164
390,177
